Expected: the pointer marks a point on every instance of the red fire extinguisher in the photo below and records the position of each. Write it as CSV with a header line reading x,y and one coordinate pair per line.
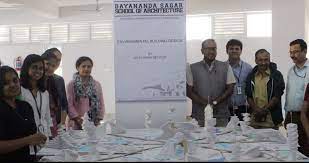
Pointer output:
x,y
18,61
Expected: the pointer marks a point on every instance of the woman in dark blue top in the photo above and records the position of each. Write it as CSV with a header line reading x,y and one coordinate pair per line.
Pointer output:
x,y
17,124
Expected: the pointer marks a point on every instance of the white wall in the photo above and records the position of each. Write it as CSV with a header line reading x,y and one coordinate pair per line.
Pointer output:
x,y
250,46
102,54
220,6
131,114
288,25
9,52
67,14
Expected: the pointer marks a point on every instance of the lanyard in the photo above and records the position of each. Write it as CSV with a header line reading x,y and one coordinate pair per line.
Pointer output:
x,y
36,104
298,74
239,75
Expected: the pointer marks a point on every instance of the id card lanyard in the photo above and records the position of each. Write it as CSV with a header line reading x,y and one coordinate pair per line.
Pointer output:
x,y
238,84
40,127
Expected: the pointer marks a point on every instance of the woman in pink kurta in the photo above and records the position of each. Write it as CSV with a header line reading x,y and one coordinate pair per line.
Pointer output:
x,y
84,95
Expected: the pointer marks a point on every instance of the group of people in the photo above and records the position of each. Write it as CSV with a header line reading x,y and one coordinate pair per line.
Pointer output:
x,y
35,105
234,87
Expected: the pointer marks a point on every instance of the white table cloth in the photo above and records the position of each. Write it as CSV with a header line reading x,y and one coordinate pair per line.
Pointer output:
x,y
141,145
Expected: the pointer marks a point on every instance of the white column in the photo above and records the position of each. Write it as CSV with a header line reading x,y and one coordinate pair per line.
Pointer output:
x,y
288,19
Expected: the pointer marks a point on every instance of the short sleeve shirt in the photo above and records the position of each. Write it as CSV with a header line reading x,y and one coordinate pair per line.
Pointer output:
x,y
14,124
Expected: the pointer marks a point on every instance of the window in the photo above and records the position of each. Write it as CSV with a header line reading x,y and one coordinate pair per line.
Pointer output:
x,y
259,24
56,33
39,33
102,31
229,24
79,32
20,34
198,27
59,33
4,34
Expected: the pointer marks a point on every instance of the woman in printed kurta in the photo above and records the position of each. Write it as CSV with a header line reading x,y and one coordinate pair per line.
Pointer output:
x,y
84,95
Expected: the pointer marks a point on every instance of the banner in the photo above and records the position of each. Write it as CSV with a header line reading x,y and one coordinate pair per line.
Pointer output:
x,y
150,50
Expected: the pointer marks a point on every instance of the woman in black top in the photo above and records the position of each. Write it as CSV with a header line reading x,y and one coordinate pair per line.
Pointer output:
x,y
17,124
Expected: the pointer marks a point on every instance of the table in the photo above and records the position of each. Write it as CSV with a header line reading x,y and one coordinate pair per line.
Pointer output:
x,y
141,145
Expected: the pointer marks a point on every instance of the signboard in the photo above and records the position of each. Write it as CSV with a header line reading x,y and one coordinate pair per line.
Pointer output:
x,y
150,50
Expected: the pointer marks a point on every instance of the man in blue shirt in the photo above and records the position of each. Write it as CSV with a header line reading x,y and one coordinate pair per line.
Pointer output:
x,y
241,69
297,81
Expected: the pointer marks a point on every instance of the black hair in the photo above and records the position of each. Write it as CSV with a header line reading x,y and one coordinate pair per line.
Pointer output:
x,y
301,42
3,71
82,59
233,42
261,51
24,72
52,50
48,54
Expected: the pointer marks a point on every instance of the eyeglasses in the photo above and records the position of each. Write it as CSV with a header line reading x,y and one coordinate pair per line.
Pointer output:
x,y
295,52
210,49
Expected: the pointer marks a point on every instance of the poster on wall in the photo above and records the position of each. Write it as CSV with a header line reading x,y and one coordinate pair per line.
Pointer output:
x,y
150,50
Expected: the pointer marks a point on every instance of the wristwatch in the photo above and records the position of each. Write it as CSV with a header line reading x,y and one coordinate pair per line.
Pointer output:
x,y
214,102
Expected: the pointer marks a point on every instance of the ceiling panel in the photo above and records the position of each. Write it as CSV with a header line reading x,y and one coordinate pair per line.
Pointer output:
x,y
80,2
4,5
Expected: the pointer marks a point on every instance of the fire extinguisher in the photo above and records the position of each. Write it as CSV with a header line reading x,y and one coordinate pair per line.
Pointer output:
x,y
18,61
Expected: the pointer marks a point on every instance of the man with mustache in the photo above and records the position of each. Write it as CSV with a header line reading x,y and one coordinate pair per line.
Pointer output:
x,y
297,81
213,83
264,88
241,69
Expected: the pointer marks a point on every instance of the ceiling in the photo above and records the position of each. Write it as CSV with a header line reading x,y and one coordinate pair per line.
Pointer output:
x,y
60,3
4,5
48,8
80,2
